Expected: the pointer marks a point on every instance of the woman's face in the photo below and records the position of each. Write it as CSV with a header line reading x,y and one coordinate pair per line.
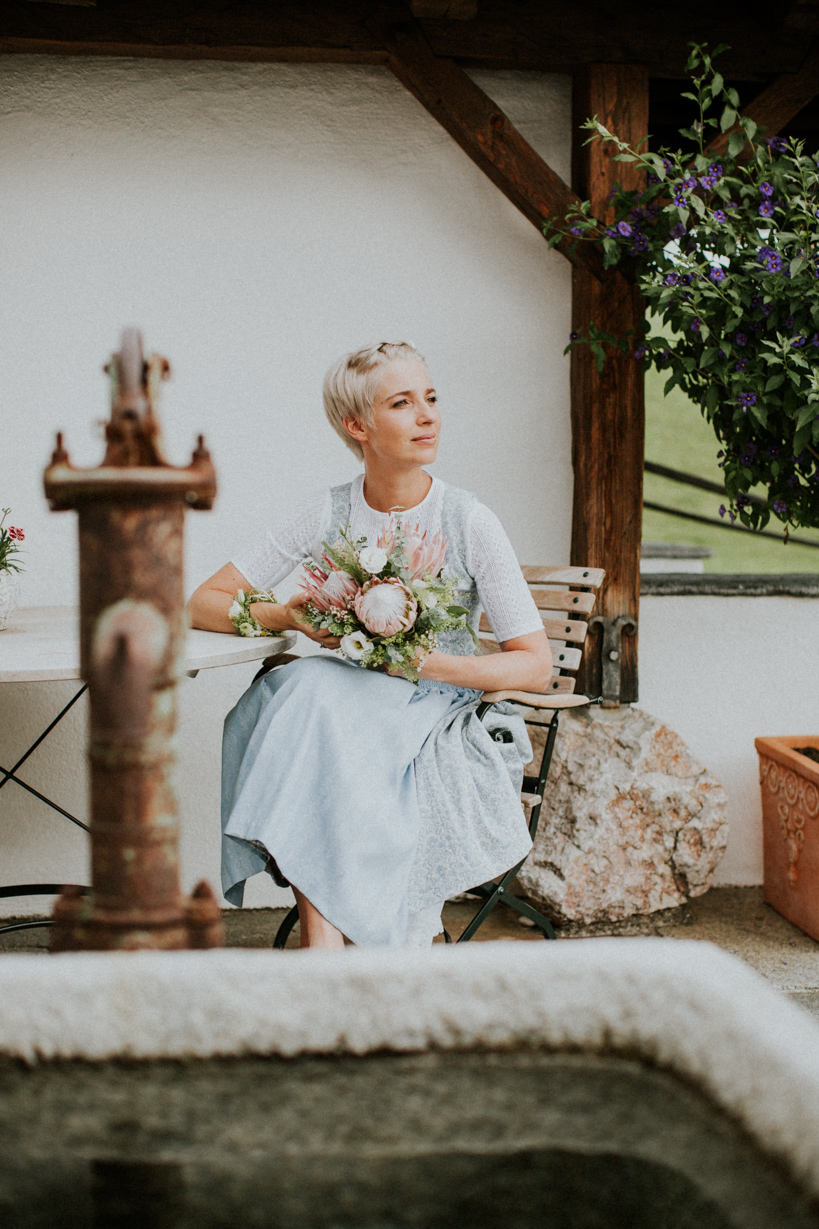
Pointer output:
x,y
406,422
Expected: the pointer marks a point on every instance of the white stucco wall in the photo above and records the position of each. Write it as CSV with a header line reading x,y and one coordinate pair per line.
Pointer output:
x,y
722,671
256,221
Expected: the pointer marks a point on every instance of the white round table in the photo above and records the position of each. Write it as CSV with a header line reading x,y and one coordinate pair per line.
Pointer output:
x,y
41,645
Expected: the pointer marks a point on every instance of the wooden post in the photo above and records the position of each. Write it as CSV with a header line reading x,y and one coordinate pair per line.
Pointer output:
x,y
607,408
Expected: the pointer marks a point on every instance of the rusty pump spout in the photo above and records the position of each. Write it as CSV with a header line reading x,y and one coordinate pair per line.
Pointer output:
x,y
132,634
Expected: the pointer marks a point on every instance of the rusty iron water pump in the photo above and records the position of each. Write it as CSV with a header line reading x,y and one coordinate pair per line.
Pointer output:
x,y
132,638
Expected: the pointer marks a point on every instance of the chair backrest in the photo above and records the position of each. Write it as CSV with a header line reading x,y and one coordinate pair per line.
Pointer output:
x,y
565,597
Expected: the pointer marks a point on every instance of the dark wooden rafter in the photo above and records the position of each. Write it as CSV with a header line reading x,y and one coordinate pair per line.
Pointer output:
x,y
780,103
607,408
483,132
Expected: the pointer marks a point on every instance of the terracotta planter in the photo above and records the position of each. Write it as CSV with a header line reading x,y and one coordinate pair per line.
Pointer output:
x,y
790,826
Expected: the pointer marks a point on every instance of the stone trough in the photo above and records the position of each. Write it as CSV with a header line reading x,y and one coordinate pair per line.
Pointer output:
x,y
595,1083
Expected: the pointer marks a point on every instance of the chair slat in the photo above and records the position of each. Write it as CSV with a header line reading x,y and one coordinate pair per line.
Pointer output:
x,y
572,630
557,599
591,578
532,699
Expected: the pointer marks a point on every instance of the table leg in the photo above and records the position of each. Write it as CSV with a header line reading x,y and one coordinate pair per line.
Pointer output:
x,y
9,774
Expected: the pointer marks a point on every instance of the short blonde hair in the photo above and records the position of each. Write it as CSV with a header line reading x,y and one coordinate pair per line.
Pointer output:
x,y
352,382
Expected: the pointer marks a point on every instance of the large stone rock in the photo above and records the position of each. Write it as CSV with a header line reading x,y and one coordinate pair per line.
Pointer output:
x,y
631,821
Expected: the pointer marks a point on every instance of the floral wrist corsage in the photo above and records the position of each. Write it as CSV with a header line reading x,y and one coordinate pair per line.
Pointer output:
x,y
240,616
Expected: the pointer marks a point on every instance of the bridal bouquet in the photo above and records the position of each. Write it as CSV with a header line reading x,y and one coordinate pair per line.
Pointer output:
x,y
388,602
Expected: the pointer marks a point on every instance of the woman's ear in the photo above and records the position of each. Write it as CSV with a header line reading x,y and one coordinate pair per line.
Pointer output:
x,y
354,428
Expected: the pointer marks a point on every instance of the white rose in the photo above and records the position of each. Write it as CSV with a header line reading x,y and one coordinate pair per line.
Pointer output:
x,y
354,645
372,559
235,610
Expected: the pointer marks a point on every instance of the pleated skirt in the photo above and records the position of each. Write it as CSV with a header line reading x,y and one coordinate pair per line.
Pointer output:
x,y
376,798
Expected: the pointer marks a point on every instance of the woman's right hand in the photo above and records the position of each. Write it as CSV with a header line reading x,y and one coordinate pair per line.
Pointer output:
x,y
290,616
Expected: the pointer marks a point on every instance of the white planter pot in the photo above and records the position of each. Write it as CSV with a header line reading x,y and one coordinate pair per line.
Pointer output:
x,y
9,596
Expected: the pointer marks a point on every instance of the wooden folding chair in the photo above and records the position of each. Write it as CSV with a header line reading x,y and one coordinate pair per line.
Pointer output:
x,y
565,596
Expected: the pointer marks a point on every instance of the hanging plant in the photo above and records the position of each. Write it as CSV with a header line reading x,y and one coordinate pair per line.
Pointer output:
x,y
726,251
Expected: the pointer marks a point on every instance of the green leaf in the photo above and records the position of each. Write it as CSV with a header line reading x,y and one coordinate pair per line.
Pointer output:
x,y
732,96
736,144
749,125
797,264
716,84
699,205
670,382
806,414
624,158
774,382
801,438
457,611
727,119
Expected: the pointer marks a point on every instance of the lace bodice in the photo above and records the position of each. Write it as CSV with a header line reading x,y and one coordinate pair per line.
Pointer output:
x,y
490,559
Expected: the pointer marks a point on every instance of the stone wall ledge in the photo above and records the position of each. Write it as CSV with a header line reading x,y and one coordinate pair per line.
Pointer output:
x,y
718,584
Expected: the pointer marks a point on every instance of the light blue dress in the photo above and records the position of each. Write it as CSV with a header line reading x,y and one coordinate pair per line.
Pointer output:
x,y
378,799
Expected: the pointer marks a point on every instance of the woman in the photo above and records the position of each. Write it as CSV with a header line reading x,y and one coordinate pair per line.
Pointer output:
x,y
376,798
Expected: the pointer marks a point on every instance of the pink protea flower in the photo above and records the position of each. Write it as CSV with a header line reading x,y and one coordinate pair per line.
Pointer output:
x,y
425,555
386,607
333,590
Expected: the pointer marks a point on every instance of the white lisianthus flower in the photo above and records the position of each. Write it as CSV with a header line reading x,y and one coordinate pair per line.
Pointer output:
x,y
235,610
373,559
354,645
427,600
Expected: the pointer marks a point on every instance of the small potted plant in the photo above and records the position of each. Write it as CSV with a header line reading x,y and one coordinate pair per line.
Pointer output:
x,y
10,538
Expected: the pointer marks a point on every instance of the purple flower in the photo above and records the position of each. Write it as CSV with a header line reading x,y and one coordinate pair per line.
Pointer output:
x,y
747,399
624,229
793,481
755,298
773,451
576,230
696,325
789,322
741,339
706,182
742,365
652,179
715,169
766,209
722,509
681,202
767,308
742,501
671,279
640,353
798,341
640,244
573,337
730,205
777,144
780,507
748,454
665,355
613,232
766,189
690,183
720,455
718,215
814,341
755,326
686,279
716,273
679,229
774,263
669,165
653,211
637,215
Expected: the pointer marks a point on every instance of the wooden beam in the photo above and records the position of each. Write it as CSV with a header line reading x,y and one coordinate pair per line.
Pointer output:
x,y
483,132
780,103
449,10
607,408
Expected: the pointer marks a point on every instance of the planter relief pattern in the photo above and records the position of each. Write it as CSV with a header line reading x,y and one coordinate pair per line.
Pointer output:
x,y
796,802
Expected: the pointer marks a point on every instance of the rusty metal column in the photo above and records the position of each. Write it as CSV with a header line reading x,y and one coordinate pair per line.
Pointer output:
x,y
131,516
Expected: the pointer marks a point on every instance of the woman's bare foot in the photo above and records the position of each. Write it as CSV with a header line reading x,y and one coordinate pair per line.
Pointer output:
x,y
315,930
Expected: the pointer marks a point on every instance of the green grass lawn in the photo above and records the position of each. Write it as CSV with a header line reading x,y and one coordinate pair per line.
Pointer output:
x,y
678,436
